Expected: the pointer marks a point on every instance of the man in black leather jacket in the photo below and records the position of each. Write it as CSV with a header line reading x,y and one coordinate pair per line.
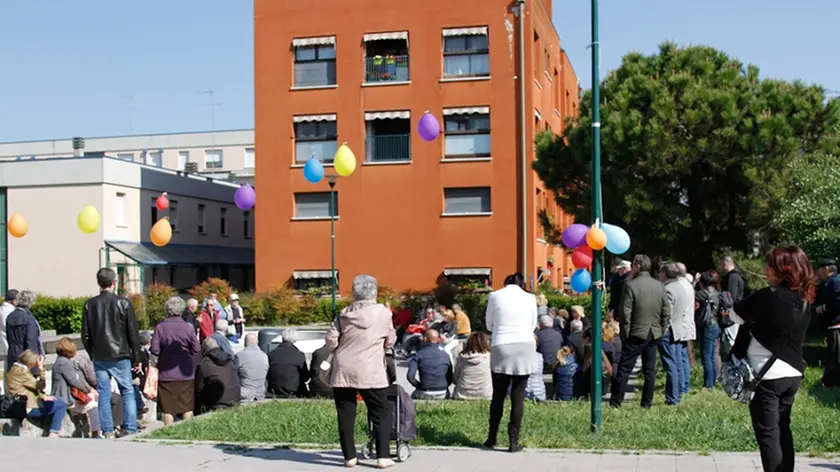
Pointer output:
x,y
111,338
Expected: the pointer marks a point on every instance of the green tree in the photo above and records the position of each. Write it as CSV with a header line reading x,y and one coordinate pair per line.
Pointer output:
x,y
695,147
809,215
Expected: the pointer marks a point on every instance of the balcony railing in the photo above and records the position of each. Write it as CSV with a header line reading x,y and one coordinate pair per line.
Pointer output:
x,y
386,69
388,148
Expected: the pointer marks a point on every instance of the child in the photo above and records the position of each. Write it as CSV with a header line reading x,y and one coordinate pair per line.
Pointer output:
x,y
565,373
535,387
138,376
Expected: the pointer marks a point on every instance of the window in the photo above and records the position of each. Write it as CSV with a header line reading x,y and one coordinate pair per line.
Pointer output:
x,y
466,53
250,158
183,158
314,281
201,218
547,63
314,63
535,53
213,159
119,216
153,158
465,201
246,227
314,205
556,89
223,221
126,156
315,139
154,213
466,135
173,215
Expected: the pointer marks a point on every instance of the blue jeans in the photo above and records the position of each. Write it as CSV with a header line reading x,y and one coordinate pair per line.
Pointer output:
x,y
685,368
671,362
56,408
120,371
710,337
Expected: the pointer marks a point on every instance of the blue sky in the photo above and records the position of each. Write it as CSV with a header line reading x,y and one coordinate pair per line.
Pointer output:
x,y
111,67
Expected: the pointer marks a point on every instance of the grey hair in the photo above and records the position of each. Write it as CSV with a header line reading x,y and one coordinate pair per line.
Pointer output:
x,y
192,303
456,307
683,269
26,298
546,321
290,335
364,287
250,338
671,270
145,337
222,325
727,260
576,326
642,262
208,345
175,306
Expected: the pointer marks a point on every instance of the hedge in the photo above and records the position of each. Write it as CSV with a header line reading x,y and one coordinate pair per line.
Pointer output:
x,y
280,306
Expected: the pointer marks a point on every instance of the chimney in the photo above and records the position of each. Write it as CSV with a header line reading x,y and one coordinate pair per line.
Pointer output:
x,y
78,147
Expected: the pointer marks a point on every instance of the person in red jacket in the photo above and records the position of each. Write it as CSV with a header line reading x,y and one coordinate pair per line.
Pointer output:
x,y
205,320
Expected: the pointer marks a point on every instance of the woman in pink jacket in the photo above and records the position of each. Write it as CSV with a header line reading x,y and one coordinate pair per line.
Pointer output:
x,y
358,339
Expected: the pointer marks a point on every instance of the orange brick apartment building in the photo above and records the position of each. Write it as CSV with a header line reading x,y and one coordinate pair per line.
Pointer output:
x,y
414,212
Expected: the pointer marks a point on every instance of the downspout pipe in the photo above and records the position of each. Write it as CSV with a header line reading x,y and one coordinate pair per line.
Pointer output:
x,y
523,142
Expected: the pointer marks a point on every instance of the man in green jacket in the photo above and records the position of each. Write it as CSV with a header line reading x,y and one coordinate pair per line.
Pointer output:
x,y
645,315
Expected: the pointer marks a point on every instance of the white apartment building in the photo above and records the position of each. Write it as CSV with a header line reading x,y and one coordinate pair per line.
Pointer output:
x,y
211,236
227,155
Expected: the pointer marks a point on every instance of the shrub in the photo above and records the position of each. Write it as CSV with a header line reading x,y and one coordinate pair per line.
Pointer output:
x,y
220,287
155,300
254,308
64,315
281,305
139,304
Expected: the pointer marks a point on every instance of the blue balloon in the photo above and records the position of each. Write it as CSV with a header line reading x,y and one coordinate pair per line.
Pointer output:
x,y
313,171
581,280
618,241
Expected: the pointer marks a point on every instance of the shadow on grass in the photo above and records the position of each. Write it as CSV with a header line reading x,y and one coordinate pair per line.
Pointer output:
x,y
285,454
439,437
828,396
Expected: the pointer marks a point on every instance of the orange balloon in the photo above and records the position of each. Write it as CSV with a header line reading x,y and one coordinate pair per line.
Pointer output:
x,y
596,239
161,232
17,226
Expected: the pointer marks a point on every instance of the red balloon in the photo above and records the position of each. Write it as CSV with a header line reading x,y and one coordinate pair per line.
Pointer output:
x,y
582,257
162,202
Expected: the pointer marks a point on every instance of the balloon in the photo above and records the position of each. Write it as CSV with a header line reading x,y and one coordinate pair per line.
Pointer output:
x,y
428,127
582,257
162,202
344,161
575,236
245,197
313,171
618,241
581,280
88,220
17,226
596,238
161,232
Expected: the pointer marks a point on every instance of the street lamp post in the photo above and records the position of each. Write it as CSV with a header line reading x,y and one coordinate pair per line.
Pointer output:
x,y
332,179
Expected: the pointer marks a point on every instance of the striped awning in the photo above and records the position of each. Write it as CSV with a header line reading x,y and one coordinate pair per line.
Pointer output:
x,y
313,274
477,31
386,36
321,40
466,111
387,115
537,114
308,118
467,271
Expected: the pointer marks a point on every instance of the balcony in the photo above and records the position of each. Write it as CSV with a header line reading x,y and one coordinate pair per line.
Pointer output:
x,y
388,148
386,69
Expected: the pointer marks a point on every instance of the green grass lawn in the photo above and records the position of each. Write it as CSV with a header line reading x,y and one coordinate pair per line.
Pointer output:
x,y
704,421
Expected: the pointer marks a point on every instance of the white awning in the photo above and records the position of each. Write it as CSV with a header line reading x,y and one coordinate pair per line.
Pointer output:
x,y
466,111
322,40
478,31
387,115
313,274
308,118
386,36
467,271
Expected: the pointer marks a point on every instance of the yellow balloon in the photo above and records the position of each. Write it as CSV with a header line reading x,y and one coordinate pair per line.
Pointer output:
x,y
344,161
88,221
161,232
17,226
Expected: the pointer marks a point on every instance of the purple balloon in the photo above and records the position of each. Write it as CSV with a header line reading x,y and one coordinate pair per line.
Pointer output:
x,y
428,127
245,197
575,236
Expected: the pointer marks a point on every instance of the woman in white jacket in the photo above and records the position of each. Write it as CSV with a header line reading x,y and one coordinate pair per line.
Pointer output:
x,y
472,370
511,320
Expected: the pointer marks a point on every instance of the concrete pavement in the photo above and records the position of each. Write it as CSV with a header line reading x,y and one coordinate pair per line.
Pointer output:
x,y
70,455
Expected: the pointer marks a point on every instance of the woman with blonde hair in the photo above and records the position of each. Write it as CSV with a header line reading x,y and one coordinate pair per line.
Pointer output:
x,y
66,384
25,378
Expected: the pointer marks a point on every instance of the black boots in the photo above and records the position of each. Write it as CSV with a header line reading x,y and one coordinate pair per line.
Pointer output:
x,y
513,434
491,436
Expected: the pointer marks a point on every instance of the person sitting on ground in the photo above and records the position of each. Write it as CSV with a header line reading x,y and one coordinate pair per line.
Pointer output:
x,y
464,325
287,370
319,373
21,380
549,341
535,386
584,386
414,334
579,314
173,352
402,320
220,335
447,327
611,343
434,365
216,380
561,319
575,339
79,397
252,366
473,380
22,329
565,374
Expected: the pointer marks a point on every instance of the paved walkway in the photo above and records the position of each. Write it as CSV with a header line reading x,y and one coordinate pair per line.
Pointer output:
x,y
68,455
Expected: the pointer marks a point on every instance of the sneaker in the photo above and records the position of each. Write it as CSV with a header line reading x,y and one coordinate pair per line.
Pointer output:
x,y
108,435
351,463
384,463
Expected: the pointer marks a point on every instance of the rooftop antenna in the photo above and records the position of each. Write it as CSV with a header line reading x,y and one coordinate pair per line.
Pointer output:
x,y
213,104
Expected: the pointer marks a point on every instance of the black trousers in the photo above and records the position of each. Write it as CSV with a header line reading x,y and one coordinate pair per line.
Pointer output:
x,y
501,382
770,412
632,348
831,374
379,415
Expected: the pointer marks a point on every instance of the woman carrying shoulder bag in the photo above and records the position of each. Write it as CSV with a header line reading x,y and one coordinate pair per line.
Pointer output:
x,y
775,321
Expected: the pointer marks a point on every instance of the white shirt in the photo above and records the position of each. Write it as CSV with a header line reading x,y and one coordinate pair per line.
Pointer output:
x,y
511,316
758,355
5,310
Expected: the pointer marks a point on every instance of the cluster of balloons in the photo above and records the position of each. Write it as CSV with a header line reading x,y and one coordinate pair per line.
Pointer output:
x,y
161,232
584,239
344,162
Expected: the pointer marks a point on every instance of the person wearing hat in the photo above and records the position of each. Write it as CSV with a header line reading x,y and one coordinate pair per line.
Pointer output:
x,y
828,309
236,316
622,268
